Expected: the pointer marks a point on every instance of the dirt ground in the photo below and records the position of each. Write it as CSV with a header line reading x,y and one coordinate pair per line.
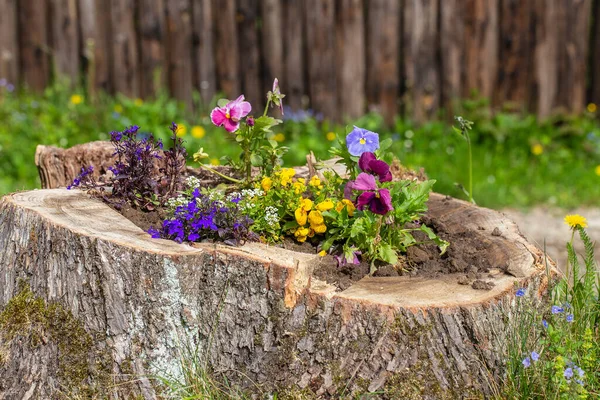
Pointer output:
x,y
539,224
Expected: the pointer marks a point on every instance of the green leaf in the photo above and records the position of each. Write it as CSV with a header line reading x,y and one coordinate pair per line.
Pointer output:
x,y
222,102
441,244
265,123
385,144
387,254
239,138
289,225
327,243
256,160
273,143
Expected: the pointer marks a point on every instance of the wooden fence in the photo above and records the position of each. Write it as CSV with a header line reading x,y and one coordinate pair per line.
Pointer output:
x,y
339,57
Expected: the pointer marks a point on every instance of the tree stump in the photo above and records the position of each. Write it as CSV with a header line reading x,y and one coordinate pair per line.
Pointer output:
x,y
93,306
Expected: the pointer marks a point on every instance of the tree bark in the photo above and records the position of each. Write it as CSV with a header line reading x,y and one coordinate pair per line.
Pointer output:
x,y
255,312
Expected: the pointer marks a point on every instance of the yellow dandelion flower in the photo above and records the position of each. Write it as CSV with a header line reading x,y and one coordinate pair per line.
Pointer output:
x,y
215,161
322,253
138,102
592,107
266,183
325,205
280,137
181,130
576,220
597,170
76,99
330,136
198,132
118,108
537,149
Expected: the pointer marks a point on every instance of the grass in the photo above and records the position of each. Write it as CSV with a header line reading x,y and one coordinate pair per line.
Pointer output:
x,y
518,161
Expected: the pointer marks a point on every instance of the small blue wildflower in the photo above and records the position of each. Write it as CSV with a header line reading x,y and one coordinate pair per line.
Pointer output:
x,y
526,362
570,318
557,310
579,381
535,356
192,237
580,372
116,115
567,305
545,323
154,233
361,140
520,292
568,373
115,136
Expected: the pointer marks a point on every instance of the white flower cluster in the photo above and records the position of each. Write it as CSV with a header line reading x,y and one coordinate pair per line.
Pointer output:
x,y
233,195
175,202
248,193
271,216
192,182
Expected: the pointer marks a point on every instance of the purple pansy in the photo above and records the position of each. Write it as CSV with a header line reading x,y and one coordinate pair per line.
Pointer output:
x,y
379,201
370,164
229,116
361,140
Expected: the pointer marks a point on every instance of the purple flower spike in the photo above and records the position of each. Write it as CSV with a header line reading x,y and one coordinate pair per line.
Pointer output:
x,y
361,140
370,164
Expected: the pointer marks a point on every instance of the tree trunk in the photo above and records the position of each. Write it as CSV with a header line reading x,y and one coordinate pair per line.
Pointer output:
x,y
92,306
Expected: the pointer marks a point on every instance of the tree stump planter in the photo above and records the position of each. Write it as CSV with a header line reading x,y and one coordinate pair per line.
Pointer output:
x,y
92,305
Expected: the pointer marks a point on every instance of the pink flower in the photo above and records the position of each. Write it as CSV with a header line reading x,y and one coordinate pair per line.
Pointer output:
x,y
230,115
379,201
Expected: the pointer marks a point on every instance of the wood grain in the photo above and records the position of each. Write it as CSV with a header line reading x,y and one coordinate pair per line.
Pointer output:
x,y
9,41
124,48
33,39
65,39
153,40
179,39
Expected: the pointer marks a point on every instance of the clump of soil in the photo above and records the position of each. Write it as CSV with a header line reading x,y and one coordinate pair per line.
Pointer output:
x,y
143,219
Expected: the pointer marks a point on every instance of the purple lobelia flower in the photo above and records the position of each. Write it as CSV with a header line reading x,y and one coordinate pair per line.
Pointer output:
x,y
370,164
361,140
379,201
230,115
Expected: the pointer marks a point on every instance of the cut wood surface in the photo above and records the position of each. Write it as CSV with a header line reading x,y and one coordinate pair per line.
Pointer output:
x,y
255,309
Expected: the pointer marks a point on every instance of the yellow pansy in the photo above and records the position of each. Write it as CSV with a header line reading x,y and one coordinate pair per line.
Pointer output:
x,y
325,205
198,132
266,183
537,149
576,220
330,136
138,102
118,108
76,99
181,130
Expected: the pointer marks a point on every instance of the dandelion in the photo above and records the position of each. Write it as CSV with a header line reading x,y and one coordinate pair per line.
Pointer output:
x,y
330,136
138,102
280,137
520,292
230,115
537,149
198,132
181,130
597,170
592,107
118,109
569,318
215,161
76,99
526,362
360,140
557,310
575,221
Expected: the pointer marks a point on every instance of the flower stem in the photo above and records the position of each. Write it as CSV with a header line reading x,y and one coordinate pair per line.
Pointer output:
x,y
267,107
214,171
470,167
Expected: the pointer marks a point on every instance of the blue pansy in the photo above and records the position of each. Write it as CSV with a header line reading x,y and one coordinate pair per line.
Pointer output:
x,y
361,140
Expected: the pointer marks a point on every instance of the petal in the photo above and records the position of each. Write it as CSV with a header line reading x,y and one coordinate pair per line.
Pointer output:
x,y
365,159
383,204
386,178
365,199
348,190
217,116
240,110
379,168
231,125
364,181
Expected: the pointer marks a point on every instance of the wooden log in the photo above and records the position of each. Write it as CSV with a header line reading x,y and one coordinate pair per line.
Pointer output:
x,y
383,55
481,47
320,39
33,39
204,57
351,59
65,39
294,67
9,41
251,74
153,36
420,59
226,40
179,39
125,66
135,302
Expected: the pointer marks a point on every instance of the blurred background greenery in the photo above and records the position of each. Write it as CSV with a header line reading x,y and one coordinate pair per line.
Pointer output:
x,y
519,161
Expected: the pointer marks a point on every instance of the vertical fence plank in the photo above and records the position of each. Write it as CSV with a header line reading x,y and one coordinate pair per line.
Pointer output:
x,y
33,33
573,19
320,39
272,42
293,82
515,68
179,50
227,57
204,59
452,48
545,79
96,39
125,69
481,47
351,58
421,48
152,33
383,55
595,55
65,39
250,53
9,42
